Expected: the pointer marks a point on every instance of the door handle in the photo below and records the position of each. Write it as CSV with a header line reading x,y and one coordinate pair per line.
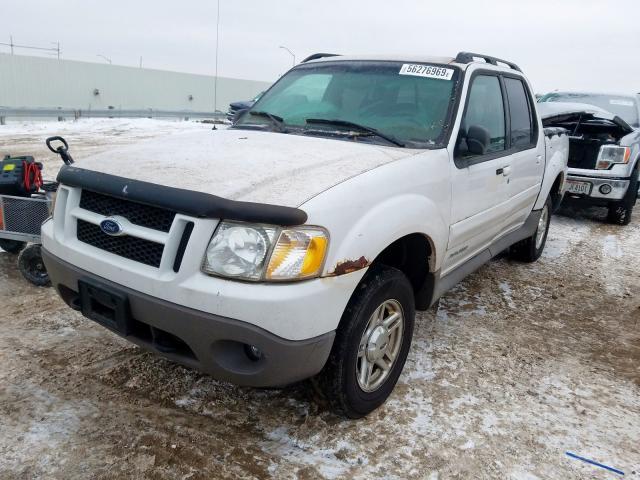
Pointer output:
x,y
504,171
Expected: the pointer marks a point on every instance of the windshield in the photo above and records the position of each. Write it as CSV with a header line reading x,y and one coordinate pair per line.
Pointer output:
x,y
624,107
387,102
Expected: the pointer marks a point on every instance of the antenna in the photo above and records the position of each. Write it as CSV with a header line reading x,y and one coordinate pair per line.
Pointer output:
x,y
215,81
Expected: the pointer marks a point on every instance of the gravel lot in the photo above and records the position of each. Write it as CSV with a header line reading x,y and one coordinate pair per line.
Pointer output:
x,y
519,364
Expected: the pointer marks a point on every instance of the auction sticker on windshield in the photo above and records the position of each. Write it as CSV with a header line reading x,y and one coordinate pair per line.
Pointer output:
x,y
428,71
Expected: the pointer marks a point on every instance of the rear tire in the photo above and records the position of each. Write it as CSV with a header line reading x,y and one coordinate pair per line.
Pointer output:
x,y
32,267
530,249
620,212
11,246
371,345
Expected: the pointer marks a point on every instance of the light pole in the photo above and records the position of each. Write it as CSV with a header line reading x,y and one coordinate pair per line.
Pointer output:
x,y
293,55
106,58
57,49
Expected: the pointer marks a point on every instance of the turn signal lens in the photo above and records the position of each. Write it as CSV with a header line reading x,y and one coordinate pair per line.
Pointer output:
x,y
612,154
299,253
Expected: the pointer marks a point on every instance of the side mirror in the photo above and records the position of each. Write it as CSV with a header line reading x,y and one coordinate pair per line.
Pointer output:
x,y
478,140
239,114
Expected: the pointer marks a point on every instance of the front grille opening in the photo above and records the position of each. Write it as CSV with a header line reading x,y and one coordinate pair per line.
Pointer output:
x,y
137,213
141,331
69,296
166,342
132,248
160,340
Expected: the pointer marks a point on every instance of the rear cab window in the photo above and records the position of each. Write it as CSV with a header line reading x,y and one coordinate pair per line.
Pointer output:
x,y
523,128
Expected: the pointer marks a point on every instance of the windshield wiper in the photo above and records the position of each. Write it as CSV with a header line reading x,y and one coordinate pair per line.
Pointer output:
x,y
275,119
362,128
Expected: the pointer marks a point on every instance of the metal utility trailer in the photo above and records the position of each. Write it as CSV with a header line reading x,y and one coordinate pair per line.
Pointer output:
x,y
20,222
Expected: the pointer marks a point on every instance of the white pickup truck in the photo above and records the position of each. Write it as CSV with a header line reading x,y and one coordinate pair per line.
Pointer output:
x,y
604,151
300,242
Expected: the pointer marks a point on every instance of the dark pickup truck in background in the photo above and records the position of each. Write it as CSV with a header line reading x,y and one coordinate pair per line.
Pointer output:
x,y
236,107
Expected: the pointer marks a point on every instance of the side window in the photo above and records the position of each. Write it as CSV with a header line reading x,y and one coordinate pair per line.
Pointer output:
x,y
483,126
520,113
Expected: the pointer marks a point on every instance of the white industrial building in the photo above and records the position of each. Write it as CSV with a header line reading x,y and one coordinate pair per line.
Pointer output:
x,y
35,82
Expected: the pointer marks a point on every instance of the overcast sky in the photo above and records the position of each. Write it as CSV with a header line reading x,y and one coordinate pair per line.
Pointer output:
x,y
560,44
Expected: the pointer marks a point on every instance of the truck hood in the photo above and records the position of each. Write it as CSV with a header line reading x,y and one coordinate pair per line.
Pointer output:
x,y
252,166
556,112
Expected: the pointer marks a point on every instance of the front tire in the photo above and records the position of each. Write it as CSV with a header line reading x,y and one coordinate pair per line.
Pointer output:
x,y
530,249
620,212
371,345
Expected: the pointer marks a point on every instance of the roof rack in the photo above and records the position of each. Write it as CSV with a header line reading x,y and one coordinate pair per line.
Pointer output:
x,y
468,57
317,56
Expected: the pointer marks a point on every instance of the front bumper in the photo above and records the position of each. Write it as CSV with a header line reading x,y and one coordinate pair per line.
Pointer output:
x,y
214,344
619,187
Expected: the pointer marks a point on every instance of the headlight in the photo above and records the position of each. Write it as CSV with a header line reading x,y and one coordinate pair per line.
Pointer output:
x,y
265,252
611,154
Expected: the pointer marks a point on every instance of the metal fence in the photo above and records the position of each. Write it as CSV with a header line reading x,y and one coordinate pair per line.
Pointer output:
x,y
62,114
21,217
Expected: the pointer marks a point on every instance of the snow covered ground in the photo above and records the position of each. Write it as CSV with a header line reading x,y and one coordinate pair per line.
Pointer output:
x,y
96,126
85,136
518,364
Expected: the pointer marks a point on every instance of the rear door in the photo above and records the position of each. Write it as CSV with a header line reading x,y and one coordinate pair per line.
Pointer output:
x,y
479,188
525,167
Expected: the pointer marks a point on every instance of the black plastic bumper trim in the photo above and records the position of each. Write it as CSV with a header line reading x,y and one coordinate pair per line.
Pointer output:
x,y
187,202
211,343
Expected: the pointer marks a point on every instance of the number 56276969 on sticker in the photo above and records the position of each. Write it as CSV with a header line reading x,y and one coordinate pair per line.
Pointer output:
x,y
428,71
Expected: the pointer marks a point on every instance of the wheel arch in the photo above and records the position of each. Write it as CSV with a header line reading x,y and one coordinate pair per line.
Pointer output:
x,y
556,191
413,255
407,232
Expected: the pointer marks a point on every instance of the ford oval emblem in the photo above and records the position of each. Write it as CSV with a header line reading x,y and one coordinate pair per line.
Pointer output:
x,y
111,227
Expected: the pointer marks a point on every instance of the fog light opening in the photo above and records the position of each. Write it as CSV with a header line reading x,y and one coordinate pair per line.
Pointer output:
x,y
253,352
605,189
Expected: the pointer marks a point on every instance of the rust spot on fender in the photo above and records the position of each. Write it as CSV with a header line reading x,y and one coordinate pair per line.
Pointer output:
x,y
348,266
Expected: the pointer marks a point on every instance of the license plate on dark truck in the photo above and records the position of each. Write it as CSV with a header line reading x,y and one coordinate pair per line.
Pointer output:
x,y
580,188
106,306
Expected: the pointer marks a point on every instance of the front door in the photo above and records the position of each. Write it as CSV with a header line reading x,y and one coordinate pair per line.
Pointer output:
x,y
479,184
